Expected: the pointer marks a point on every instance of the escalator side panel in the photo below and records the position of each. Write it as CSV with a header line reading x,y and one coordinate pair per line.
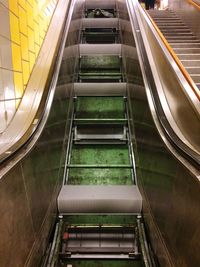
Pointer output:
x,y
171,193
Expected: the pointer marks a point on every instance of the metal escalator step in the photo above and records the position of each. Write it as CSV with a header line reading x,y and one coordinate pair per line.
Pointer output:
x,y
198,85
182,37
108,79
100,40
188,35
185,45
178,40
100,73
168,27
174,24
102,33
174,31
193,70
100,166
102,121
188,50
100,23
168,19
100,63
101,49
189,56
111,4
100,133
191,63
98,89
195,77
99,199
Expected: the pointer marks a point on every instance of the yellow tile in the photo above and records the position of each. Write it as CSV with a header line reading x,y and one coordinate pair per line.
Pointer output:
x,y
22,21
24,47
36,33
17,102
13,6
31,38
32,60
42,34
41,25
31,2
16,57
41,41
37,49
19,87
45,25
14,28
26,71
41,15
30,16
22,3
35,11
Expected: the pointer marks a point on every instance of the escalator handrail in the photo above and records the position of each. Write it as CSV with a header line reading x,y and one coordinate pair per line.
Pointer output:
x,y
186,152
175,57
31,108
11,160
194,4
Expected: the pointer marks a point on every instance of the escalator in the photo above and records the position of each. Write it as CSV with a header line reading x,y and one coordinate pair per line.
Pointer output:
x,y
99,175
183,41
105,180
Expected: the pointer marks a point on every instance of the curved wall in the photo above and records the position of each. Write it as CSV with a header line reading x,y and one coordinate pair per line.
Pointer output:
x,y
24,26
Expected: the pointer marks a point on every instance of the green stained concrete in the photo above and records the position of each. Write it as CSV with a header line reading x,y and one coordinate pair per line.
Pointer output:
x,y
90,176
101,219
100,107
100,154
100,63
103,263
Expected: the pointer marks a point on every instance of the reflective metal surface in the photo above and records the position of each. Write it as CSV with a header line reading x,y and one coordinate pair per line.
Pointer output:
x,y
171,192
173,91
29,190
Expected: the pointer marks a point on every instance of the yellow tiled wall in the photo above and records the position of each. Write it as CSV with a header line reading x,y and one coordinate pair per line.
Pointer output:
x,y
23,25
29,21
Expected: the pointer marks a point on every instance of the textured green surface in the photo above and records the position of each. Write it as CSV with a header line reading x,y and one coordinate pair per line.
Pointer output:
x,y
88,176
100,107
100,63
100,154
103,263
101,219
